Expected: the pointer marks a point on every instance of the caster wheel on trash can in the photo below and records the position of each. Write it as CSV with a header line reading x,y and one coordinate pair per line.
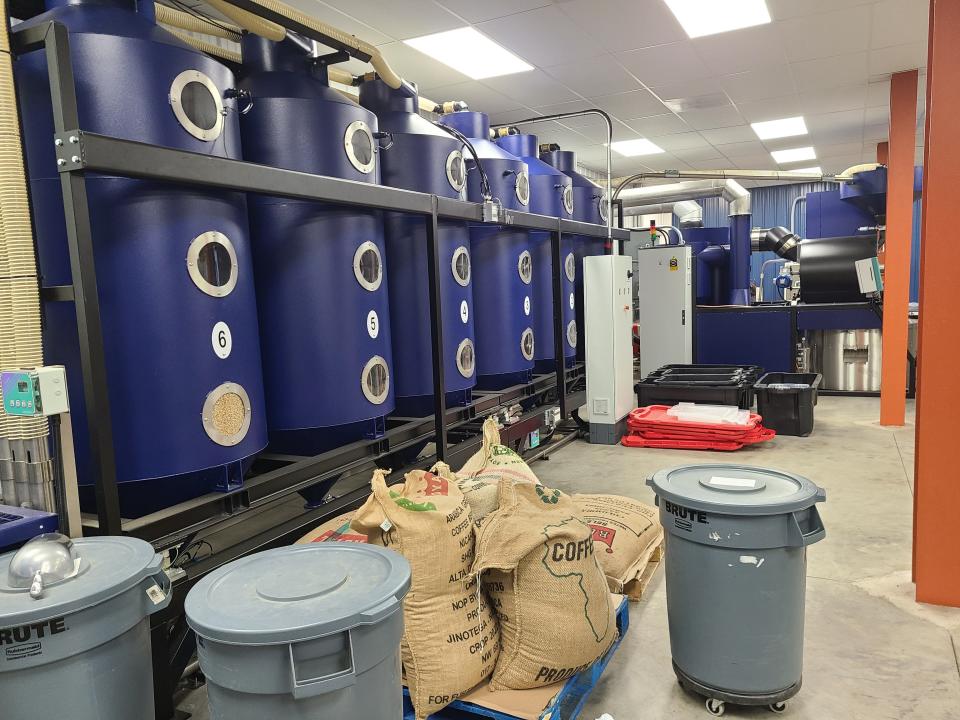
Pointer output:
x,y
716,707
778,707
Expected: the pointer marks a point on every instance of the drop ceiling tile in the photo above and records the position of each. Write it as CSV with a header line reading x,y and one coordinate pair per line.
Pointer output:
x,y
554,133
878,93
838,164
344,21
810,37
664,64
760,84
711,119
594,128
876,133
531,88
754,162
564,107
664,161
853,97
770,109
686,89
478,96
876,115
475,12
899,21
624,24
828,72
786,9
722,136
593,77
895,58
680,141
837,127
411,18
741,50
717,162
697,153
750,148
415,66
629,105
509,116
544,36
840,149
665,124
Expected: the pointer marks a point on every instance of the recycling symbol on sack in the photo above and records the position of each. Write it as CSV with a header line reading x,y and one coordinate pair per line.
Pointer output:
x,y
550,497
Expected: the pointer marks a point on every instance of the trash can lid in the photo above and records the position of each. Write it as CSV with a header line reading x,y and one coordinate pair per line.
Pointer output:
x,y
298,593
53,575
736,489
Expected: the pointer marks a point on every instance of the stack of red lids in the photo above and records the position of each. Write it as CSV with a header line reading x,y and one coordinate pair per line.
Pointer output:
x,y
652,427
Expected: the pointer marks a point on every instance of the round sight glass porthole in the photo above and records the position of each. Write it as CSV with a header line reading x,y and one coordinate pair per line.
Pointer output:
x,y
525,267
572,333
358,142
212,263
196,104
466,358
570,267
568,199
526,344
460,264
522,186
226,414
375,380
368,266
456,170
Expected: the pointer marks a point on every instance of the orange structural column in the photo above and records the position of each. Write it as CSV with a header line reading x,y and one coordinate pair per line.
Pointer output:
x,y
937,492
883,153
896,274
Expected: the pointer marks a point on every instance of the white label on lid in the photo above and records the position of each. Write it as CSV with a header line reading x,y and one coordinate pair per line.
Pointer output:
x,y
732,482
155,594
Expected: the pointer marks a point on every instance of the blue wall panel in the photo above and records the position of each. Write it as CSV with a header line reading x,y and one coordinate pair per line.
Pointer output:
x,y
915,251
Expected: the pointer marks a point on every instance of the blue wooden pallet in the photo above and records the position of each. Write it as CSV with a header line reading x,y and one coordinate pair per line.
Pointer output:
x,y
565,705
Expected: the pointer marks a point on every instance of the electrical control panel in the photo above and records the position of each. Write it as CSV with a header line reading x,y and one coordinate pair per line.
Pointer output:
x,y
35,392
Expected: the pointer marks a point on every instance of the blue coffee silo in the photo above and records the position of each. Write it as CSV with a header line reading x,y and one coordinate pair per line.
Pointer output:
x,y
173,262
320,269
589,205
551,193
417,155
502,262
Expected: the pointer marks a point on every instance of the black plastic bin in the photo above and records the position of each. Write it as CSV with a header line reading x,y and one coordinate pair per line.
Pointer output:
x,y
704,384
786,409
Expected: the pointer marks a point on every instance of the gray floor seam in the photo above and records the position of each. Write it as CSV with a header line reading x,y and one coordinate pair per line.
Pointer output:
x,y
903,465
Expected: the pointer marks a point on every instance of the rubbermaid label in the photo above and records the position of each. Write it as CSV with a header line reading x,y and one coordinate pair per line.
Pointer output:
x,y
24,641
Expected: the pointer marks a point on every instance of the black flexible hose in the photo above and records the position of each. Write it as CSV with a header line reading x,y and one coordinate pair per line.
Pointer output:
x,y
484,180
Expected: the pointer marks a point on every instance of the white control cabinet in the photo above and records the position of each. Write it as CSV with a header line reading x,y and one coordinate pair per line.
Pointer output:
x,y
665,302
608,317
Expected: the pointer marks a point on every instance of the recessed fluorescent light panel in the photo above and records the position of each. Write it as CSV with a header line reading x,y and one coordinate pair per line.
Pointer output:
x,y
709,17
470,52
794,155
808,171
633,148
787,127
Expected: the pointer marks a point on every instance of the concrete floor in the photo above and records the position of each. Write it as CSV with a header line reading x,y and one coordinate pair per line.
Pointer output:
x,y
871,652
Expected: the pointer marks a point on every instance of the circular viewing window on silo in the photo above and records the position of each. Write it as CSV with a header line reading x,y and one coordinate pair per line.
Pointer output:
x,y
466,358
212,263
368,266
572,333
602,207
226,414
570,267
523,186
568,199
525,267
461,266
526,344
358,142
196,103
456,170
375,380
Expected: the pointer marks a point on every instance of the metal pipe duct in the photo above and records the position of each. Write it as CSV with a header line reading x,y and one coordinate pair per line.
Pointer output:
x,y
635,199
781,241
688,212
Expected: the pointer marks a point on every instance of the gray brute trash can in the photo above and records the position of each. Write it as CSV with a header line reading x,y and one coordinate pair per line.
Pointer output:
x,y
736,566
75,628
308,632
